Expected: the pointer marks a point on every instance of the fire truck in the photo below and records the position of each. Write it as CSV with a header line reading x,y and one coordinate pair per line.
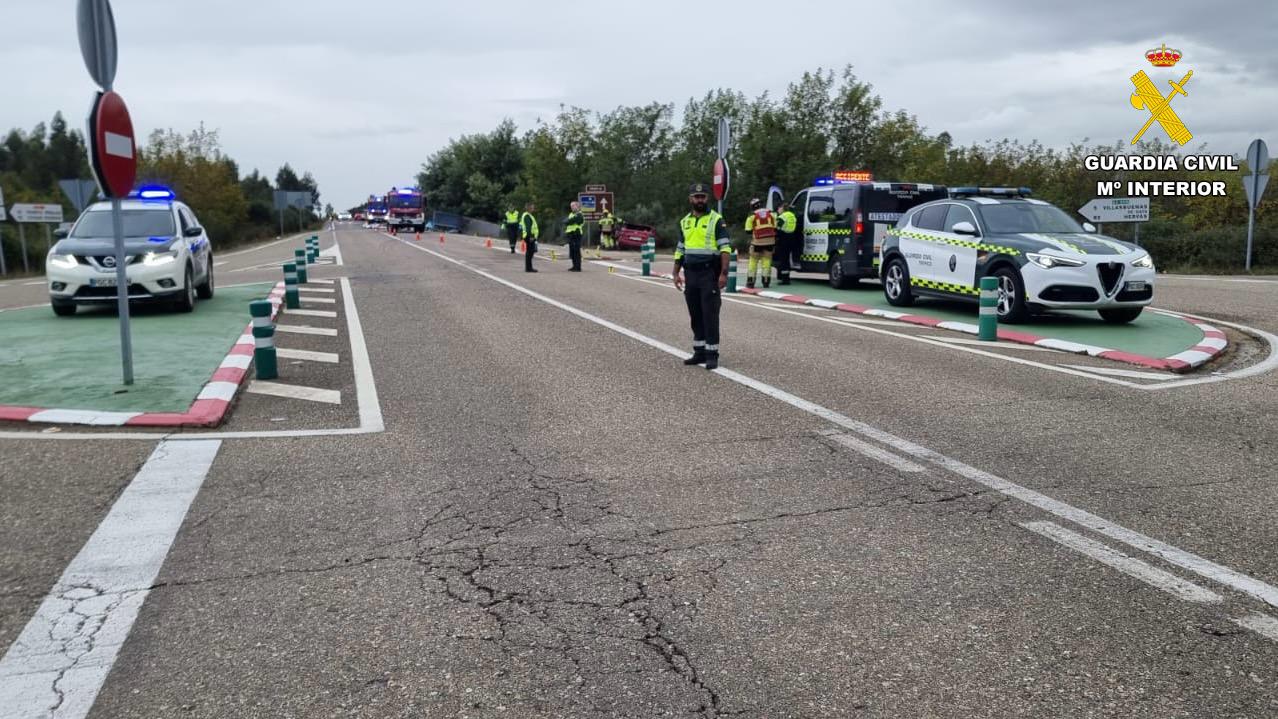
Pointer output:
x,y
376,210
405,210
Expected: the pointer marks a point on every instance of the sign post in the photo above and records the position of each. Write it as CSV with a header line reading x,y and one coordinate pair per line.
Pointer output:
x,y
37,214
1254,184
3,269
723,143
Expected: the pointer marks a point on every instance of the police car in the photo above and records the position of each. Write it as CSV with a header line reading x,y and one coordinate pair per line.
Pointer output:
x,y
844,223
1042,257
168,257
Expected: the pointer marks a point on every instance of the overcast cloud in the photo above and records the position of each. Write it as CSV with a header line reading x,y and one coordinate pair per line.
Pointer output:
x,y
361,93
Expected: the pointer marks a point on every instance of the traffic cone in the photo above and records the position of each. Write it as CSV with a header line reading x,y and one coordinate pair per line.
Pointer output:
x,y
418,237
441,238
552,255
523,246
488,242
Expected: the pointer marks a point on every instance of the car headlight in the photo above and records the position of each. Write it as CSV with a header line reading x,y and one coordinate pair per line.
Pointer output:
x,y
1047,262
66,262
157,259
1145,262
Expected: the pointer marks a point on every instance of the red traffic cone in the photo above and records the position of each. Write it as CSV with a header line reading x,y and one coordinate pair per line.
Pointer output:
x,y
441,238
418,237
488,242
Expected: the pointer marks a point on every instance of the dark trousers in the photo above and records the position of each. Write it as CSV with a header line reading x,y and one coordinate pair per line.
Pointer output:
x,y
574,251
512,234
530,249
701,292
789,247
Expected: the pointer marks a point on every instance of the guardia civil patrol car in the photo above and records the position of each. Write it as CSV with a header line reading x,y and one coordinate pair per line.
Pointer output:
x,y
1042,257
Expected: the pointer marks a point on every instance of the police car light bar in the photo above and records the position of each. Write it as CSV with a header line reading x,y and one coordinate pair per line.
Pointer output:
x,y
153,192
991,191
823,181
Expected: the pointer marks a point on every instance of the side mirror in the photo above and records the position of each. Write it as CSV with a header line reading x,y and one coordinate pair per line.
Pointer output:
x,y
1089,227
965,228
61,233
193,231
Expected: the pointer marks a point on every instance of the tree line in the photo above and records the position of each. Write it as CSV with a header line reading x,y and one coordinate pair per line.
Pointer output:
x,y
825,120
233,209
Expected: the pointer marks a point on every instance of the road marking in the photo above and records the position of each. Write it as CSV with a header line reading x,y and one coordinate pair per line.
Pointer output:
x,y
312,313
58,664
321,290
306,330
1132,567
285,353
1000,345
320,300
293,391
82,416
1218,573
1262,624
31,284
273,243
1134,374
874,452
322,282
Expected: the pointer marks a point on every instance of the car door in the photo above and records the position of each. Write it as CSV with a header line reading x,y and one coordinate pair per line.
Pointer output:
x,y
957,266
816,230
197,247
920,247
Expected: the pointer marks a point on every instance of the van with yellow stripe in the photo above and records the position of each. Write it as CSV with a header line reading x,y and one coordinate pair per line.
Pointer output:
x,y
844,223
1043,258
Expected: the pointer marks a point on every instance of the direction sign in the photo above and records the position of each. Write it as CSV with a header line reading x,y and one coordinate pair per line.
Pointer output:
x,y
596,188
303,200
1116,209
595,204
96,26
37,213
80,192
112,151
720,179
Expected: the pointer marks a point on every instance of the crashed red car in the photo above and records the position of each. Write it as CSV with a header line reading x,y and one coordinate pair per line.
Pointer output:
x,y
631,236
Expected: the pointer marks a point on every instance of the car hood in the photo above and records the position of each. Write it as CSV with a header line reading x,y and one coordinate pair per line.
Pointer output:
x,y
1070,243
106,245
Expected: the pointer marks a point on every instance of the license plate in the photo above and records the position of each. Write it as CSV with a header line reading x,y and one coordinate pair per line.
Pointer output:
x,y
102,282
1137,285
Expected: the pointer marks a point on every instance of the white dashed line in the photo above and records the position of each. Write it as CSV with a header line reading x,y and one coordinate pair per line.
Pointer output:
x,y
285,353
874,452
319,300
1262,624
311,313
292,391
306,330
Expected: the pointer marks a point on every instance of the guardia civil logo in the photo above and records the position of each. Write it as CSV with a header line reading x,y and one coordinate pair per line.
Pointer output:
x,y
1147,97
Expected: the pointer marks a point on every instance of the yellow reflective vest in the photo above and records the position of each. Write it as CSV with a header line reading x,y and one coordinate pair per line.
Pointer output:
x,y
699,240
512,217
528,227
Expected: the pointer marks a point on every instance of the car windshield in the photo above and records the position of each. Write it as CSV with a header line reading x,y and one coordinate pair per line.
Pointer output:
x,y
405,200
376,207
148,222
1012,217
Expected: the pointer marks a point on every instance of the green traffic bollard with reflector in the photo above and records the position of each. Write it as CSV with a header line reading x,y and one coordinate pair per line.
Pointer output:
x,y
732,272
292,300
264,359
988,323
299,260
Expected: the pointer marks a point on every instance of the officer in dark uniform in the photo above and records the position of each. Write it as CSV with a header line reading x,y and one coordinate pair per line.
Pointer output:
x,y
572,233
702,256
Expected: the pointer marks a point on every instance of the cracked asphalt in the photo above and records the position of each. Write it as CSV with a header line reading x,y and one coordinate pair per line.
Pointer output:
x,y
560,521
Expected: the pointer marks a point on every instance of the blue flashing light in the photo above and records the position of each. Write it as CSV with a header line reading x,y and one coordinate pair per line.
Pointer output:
x,y
153,192
406,191
158,240
992,191
827,181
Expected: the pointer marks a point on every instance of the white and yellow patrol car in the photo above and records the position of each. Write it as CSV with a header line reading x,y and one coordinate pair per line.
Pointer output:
x,y
1043,258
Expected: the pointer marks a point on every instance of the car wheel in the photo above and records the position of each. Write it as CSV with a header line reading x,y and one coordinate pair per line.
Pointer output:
x,y
839,279
896,283
205,290
1120,315
62,309
186,302
1011,296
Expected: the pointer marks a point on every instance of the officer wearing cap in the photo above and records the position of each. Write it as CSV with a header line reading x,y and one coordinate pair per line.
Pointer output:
x,y
702,256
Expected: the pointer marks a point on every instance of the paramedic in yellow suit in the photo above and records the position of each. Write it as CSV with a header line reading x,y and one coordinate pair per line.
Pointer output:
x,y
762,226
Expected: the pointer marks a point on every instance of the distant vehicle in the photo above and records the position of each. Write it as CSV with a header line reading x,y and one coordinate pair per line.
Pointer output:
x,y
440,220
1042,257
376,210
358,216
633,236
405,210
168,255
344,216
843,224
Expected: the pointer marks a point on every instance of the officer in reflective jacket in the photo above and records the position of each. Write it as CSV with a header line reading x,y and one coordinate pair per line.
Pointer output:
x,y
512,228
702,255
529,232
572,232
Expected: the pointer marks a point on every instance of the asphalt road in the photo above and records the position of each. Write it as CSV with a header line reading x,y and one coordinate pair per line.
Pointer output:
x,y
561,520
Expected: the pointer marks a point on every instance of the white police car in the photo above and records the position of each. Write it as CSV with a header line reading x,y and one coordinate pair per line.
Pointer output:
x,y
168,257
1042,257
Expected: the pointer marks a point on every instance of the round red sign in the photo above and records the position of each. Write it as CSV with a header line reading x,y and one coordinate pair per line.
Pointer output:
x,y
720,178
113,152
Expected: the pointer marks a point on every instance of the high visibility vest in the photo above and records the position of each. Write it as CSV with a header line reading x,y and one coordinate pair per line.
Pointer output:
x,y
528,227
512,217
762,223
698,237
574,224
789,223
605,224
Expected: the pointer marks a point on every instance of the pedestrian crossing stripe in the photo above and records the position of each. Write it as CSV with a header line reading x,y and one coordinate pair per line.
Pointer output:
x,y
944,286
999,249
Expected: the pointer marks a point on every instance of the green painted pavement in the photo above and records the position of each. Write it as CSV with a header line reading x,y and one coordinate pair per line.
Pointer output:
x,y
74,362
1152,334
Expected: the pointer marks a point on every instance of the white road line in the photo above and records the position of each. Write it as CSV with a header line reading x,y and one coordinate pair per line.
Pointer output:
x,y
246,250
219,264
1000,345
874,452
322,282
311,313
57,665
31,284
1262,624
306,330
1132,567
319,300
1133,373
321,290
286,353
82,416
293,391
1220,574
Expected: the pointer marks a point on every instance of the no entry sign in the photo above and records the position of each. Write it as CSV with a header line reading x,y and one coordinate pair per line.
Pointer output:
x,y
113,152
720,183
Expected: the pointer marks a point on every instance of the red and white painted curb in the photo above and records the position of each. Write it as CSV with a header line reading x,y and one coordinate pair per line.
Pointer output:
x,y
1211,345
208,409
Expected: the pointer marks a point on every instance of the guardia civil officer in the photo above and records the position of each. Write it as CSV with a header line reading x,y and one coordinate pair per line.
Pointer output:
x,y
702,256
572,232
529,232
512,228
788,244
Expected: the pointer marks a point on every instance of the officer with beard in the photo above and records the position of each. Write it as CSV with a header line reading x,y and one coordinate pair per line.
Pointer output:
x,y
702,256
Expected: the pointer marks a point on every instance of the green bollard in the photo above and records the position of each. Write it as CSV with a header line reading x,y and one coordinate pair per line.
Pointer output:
x,y
313,246
292,300
648,252
989,309
732,272
263,340
299,261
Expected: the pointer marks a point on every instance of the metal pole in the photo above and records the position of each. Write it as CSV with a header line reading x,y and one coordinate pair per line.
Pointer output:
x,y
122,292
48,238
22,238
1138,234
281,223
4,269
1251,226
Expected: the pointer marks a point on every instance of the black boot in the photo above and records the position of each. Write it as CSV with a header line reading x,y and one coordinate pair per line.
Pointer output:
x,y
750,283
698,357
767,282
712,360
783,279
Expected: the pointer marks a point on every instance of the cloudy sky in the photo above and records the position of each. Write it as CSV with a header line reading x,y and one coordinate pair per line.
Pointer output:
x,y
360,93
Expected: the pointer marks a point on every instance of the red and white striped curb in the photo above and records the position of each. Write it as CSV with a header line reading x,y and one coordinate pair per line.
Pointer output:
x,y
208,409
1211,345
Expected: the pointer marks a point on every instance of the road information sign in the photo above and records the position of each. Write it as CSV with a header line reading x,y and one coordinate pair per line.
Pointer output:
x,y
37,213
595,203
1116,209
